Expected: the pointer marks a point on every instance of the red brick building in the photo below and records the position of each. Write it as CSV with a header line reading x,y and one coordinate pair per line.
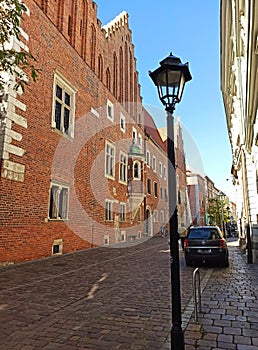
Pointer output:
x,y
71,177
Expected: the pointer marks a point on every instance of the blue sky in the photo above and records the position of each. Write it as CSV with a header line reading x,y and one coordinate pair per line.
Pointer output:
x,y
191,30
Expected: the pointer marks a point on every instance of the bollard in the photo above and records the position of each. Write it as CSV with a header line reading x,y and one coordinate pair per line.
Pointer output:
x,y
196,290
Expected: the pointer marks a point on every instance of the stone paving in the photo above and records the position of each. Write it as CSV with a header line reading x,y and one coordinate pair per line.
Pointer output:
x,y
229,317
120,299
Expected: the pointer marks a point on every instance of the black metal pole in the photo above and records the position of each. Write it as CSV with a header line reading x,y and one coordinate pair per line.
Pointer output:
x,y
177,335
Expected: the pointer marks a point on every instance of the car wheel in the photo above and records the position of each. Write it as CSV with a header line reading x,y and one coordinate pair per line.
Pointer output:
x,y
226,263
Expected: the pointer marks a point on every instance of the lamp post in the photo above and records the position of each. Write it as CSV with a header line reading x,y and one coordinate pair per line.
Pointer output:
x,y
222,196
170,79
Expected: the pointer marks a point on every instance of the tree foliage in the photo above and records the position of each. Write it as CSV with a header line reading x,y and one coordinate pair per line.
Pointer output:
x,y
217,210
12,61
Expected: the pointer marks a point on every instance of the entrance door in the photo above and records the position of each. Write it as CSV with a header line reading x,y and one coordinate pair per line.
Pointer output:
x,y
148,223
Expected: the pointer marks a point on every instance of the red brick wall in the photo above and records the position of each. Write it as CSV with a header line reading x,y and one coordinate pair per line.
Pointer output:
x,y
26,232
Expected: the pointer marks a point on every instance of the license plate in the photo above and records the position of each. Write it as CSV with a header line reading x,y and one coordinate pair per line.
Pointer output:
x,y
204,251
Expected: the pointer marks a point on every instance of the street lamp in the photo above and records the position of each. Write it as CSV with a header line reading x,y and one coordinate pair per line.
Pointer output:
x,y
222,196
170,79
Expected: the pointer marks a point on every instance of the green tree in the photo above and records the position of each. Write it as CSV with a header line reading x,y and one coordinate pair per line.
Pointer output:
x,y
217,210
11,12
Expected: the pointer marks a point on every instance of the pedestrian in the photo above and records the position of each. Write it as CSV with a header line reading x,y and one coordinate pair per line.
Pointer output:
x,y
163,231
182,235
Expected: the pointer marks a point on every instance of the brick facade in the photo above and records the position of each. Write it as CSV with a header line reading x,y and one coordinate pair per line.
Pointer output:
x,y
64,140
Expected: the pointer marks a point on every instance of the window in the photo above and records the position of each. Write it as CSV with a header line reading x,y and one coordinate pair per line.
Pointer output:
x,y
134,134
63,106
148,158
140,140
94,112
149,186
161,193
108,210
160,169
155,189
106,239
58,204
123,167
122,122
154,163
110,160
165,194
110,110
155,216
162,217
136,170
165,172
122,211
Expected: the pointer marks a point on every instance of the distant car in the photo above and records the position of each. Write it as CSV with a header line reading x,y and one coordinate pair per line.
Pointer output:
x,y
206,244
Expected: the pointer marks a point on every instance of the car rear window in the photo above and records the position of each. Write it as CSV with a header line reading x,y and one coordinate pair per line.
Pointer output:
x,y
205,233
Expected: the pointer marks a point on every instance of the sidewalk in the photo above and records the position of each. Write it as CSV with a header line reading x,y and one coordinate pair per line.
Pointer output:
x,y
229,317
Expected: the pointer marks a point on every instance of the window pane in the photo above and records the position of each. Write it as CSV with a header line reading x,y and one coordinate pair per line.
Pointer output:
x,y
59,92
58,115
67,99
66,120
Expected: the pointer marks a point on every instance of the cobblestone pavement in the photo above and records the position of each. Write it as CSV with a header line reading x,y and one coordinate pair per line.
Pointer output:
x,y
120,299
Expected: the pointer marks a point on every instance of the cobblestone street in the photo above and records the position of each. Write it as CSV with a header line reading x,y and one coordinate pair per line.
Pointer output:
x,y
120,299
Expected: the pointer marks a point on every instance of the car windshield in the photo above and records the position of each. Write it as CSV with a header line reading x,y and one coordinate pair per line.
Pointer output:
x,y
204,233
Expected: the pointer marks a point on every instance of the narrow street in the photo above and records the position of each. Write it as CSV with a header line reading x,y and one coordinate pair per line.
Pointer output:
x,y
96,299
119,298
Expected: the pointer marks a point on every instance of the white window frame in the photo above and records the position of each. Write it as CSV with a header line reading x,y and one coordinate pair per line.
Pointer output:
x,y
110,159
154,163
67,88
122,213
94,112
110,110
109,210
139,170
148,158
134,134
140,141
123,164
56,204
122,122
155,189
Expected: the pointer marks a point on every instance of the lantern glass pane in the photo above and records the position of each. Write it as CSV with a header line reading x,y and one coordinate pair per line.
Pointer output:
x,y
173,78
161,78
181,87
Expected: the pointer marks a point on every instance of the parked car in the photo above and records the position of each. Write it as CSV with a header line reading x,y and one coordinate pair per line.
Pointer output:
x,y
206,244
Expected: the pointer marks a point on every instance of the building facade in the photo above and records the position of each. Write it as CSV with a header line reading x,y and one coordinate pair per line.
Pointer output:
x,y
74,146
197,197
239,65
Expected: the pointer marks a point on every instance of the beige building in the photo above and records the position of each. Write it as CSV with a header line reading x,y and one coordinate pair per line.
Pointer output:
x,y
239,76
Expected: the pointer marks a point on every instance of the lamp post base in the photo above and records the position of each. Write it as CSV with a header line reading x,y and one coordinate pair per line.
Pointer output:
x,y
177,339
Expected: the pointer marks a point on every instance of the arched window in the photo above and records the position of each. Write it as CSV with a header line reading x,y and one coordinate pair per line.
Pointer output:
x,y
121,75
100,67
126,77
93,47
83,28
115,75
108,79
136,170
